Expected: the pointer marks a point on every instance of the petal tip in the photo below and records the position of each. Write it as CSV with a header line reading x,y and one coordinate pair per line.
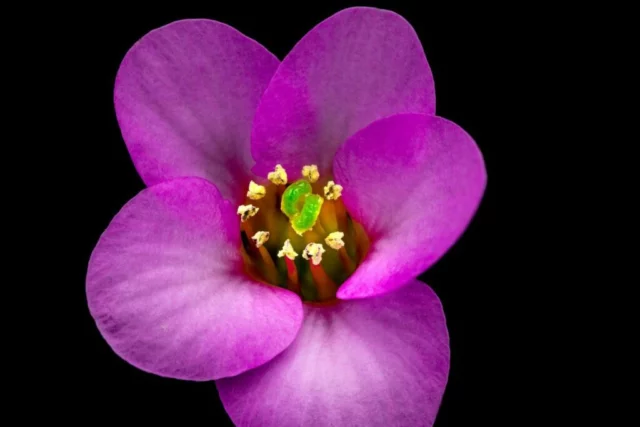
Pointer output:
x,y
185,95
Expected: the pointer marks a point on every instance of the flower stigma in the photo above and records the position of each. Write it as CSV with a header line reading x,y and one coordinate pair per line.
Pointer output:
x,y
282,220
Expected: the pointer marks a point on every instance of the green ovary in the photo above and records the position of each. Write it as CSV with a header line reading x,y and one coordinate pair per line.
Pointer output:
x,y
301,206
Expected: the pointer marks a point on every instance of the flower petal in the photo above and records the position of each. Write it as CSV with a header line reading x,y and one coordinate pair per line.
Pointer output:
x,y
377,362
357,66
185,96
414,182
166,290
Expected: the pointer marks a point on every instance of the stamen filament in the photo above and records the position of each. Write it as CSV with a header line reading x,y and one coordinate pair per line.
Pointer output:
x,y
250,266
347,262
328,216
362,243
341,215
267,220
247,228
325,286
292,274
320,228
311,236
270,266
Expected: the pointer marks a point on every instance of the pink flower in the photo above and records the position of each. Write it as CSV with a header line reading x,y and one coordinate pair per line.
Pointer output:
x,y
201,276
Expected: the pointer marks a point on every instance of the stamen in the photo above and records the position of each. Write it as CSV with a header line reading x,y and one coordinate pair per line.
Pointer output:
x,y
328,217
261,237
256,192
318,226
334,240
362,242
313,251
270,266
250,266
266,220
311,173
341,215
247,211
332,191
293,282
311,237
287,250
346,260
324,285
278,176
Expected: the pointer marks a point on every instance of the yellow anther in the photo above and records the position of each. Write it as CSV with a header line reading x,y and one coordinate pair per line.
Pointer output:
x,y
313,251
256,192
278,176
311,173
287,250
334,240
247,211
261,237
332,191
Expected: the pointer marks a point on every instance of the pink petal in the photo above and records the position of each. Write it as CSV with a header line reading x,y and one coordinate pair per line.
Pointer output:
x,y
357,66
185,97
166,290
414,182
377,362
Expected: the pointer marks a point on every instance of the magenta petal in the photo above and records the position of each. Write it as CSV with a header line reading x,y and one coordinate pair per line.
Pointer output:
x,y
357,66
166,290
414,182
185,97
381,361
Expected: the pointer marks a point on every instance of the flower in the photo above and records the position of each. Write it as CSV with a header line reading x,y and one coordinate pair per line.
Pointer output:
x,y
334,154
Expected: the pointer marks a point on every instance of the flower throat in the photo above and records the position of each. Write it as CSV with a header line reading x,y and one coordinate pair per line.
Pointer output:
x,y
299,235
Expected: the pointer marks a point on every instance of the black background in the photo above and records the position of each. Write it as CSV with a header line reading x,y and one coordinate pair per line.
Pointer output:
x,y
469,54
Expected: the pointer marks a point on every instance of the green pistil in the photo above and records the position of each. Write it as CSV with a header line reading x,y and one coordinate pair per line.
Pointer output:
x,y
309,214
293,196
301,206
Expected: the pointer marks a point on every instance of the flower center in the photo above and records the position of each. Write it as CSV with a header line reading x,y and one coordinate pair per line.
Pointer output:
x,y
281,221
